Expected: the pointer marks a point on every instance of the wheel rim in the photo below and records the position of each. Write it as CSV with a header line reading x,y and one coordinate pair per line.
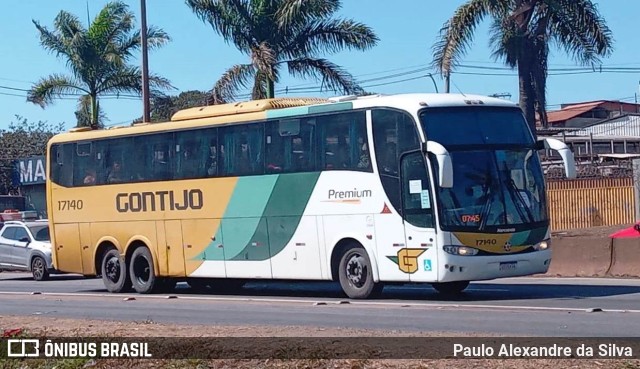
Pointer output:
x,y
141,270
38,268
357,270
112,269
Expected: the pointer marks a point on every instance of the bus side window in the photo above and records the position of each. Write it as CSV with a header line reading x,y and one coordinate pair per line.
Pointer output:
x,y
193,153
343,142
394,133
416,194
242,150
62,164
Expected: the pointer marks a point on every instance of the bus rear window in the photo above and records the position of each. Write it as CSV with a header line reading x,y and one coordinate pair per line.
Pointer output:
x,y
476,126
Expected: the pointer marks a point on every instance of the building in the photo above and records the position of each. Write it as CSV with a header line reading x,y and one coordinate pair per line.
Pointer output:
x,y
587,113
31,176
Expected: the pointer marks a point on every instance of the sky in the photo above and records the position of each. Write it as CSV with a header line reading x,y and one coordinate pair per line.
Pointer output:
x,y
196,57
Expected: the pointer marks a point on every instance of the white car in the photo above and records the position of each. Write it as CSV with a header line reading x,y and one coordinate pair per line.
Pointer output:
x,y
26,246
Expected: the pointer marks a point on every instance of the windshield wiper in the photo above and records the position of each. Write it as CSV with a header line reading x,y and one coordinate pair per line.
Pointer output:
x,y
486,208
515,194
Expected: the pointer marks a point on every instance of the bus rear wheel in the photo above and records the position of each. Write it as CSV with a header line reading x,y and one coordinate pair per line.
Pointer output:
x,y
356,276
450,288
115,275
141,270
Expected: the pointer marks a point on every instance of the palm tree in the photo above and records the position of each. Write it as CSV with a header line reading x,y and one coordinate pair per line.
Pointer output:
x,y
520,35
97,57
275,33
84,114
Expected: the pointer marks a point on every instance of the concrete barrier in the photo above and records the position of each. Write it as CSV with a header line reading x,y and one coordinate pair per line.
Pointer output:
x,y
580,256
626,258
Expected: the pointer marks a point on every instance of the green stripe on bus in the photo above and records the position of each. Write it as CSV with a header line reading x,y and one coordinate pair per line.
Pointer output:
x,y
283,213
242,216
330,107
289,112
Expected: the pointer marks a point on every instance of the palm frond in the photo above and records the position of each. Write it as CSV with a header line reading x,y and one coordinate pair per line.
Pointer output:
x,y
50,41
457,33
51,87
293,12
231,81
578,27
505,42
112,22
227,19
127,47
129,79
264,59
330,36
332,76
68,25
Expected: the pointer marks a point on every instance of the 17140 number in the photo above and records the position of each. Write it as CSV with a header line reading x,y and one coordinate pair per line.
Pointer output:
x,y
70,205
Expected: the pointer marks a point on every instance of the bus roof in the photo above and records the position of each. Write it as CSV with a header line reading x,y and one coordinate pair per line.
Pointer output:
x,y
260,110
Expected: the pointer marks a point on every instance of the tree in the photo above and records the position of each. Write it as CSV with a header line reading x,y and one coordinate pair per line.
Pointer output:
x,y
97,57
163,107
22,139
520,36
83,113
277,33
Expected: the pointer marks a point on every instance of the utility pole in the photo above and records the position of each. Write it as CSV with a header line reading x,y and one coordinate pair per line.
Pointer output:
x,y
447,81
146,116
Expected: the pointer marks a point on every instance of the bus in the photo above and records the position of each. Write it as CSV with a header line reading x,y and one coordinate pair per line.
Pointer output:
x,y
362,190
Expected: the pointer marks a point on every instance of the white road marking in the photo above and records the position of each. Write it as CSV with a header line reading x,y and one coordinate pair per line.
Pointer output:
x,y
328,302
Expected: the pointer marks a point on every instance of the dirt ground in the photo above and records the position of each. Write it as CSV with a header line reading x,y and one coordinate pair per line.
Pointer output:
x,y
32,326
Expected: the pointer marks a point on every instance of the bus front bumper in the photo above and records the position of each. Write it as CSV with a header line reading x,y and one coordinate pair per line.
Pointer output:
x,y
476,268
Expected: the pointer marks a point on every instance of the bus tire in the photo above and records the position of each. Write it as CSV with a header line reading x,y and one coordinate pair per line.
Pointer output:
x,y
450,288
142,273
115,274
355,274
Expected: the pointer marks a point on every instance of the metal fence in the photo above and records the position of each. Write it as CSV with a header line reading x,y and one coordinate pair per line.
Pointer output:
x,y
591,202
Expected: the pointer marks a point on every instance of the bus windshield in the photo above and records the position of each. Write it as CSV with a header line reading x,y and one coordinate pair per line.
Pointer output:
x,y
497,179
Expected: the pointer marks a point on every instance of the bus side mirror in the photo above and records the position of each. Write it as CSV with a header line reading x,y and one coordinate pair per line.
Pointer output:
x,y
565,153
445,168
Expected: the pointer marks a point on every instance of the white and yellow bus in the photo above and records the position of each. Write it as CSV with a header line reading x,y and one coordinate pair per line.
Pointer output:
x,y
436,188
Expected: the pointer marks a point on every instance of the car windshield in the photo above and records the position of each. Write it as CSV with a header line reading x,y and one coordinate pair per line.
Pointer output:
x,y
497,179
40,232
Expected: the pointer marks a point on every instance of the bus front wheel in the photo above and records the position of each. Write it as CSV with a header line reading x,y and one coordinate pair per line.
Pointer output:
x,y
114,272
355,274
142,272
450,288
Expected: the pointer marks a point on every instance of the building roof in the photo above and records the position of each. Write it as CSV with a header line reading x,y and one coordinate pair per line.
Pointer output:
x,y
627,125
572,111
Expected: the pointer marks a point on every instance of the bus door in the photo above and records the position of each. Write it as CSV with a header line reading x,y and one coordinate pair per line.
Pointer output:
x,y
418,259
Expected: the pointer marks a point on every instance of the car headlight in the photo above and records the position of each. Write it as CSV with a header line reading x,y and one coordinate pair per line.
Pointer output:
x,y
546,244
460,250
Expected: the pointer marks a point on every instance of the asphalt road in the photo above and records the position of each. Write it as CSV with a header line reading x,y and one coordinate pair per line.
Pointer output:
x,y
517,306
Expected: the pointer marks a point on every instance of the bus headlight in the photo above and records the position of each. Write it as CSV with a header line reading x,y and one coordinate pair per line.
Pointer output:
x,y
460,250
542,245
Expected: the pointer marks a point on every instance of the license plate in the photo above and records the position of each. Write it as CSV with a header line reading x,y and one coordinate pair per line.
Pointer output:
x,y
509,265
